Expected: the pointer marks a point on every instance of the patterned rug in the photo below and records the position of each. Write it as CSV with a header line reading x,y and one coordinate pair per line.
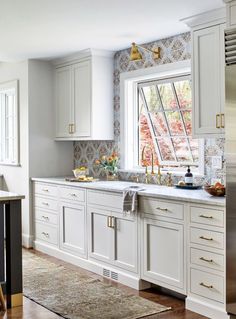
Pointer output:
x,y
75,295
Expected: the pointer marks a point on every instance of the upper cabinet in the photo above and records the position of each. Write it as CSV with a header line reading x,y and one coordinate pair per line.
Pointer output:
x,y
84,96
208,87
231,13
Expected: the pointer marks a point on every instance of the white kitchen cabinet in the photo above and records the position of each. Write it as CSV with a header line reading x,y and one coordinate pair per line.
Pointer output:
x,y
163,253
83,97
231,13
208,81
208,61
113,238
73,235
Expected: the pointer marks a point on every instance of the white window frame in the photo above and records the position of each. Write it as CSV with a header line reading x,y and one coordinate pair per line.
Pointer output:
x,y
128,99
7,89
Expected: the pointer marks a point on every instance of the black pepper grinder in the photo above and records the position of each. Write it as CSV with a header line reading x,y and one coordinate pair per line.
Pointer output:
x,y
189,177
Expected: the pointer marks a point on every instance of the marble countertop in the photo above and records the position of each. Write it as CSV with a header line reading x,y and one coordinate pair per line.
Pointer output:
x,y
5,196
193,196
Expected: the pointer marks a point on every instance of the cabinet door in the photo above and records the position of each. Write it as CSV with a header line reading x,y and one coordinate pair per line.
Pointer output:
x,y
100,235
125,249
163,253
82,98
207,83
73,229
63,101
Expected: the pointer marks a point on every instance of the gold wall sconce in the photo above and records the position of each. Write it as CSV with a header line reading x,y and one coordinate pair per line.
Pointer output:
x,y
135,54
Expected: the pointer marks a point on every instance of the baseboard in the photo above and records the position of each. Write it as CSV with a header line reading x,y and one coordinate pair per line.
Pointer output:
x,y
27,241
124,278
205,309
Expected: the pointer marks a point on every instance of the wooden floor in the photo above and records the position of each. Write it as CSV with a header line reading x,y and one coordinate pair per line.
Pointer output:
x,y
31,310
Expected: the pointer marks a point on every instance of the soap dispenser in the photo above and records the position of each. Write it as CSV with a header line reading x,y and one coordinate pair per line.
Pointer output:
x,y
189,177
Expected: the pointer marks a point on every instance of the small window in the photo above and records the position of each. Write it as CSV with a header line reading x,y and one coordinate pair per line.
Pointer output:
x,y
9,123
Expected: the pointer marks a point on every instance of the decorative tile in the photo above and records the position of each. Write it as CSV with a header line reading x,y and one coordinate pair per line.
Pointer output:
x,y
173,49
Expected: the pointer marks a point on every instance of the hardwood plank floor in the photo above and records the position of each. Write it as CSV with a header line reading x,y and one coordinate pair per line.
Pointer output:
x,y
32,310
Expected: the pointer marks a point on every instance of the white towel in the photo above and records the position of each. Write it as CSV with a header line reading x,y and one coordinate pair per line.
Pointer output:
x,y
130,199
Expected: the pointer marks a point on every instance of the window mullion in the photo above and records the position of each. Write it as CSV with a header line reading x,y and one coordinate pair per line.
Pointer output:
x,y
182,118
167,124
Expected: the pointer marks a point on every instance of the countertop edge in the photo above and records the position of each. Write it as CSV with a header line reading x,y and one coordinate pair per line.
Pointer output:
x,y
206,201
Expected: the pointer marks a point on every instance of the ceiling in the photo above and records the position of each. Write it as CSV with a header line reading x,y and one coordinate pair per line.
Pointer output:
x,y
52,28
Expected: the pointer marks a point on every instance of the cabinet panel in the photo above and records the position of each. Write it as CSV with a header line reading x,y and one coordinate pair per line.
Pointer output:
x,y
207,238
73,229
63,101
163,253
125,242
46,233
82,98
100,235
207,84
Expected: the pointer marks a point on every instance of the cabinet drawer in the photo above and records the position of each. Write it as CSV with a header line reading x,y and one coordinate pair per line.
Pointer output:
x,y
207,238
161,208
207,259
75,194
207,285
207,216
46,217
45,189
46,233
45,203
109,200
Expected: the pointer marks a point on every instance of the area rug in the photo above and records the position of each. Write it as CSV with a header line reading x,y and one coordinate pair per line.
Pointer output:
x,y
74,295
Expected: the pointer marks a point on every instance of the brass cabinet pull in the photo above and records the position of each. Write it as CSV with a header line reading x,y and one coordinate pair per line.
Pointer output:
x,y
45,190
112,222
205,216
69,128
205,238
45,217
207,260
206,286
218,121
162,209
45,203
109,222
222,120
45,234
72,128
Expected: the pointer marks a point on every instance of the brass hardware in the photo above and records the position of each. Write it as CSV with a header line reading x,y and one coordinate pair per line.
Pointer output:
x,y
207,260
112,222
206,286
217,121
45,234
108,221
135,178
205,216
146,169
152,172
73,194
45,203
72,128
45,217
45,190
135,55
222,120
206,238
15,300
159,175
162,209
69,128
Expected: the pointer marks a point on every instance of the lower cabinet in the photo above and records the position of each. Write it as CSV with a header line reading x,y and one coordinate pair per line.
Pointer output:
x,y
73,228
162,256
113,238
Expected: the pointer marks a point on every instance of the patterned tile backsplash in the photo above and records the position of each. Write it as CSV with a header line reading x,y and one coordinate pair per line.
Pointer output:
x,y
173,49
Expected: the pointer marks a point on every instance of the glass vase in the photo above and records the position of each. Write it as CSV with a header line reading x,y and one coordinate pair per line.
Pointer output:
x,y
112,176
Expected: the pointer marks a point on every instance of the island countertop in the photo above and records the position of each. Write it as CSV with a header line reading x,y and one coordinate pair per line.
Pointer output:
x,y
5,196
158,191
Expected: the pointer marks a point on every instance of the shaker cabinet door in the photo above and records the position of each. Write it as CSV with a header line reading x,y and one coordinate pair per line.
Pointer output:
x,y
163,253
207,74
63,101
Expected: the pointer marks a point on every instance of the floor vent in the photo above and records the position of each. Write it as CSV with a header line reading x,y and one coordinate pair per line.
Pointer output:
x,y
106,272
114,275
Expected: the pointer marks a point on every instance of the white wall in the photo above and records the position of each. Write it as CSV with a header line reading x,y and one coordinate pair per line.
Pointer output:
x,y
16,178
40,155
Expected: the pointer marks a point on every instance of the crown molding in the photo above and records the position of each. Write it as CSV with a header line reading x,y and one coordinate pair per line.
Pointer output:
x,y
213,16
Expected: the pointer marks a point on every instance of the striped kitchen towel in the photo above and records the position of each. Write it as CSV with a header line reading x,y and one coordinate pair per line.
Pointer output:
x,y
130,199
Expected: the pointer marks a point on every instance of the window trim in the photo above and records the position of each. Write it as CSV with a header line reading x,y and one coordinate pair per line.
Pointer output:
x,y
128,96
9,86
